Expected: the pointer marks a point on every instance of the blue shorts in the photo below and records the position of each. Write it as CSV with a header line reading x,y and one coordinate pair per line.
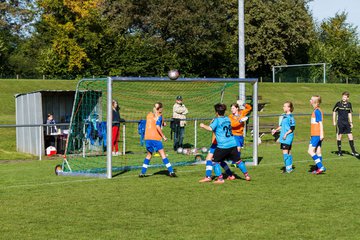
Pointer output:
x,y
315,141
153,145
212,148
239,141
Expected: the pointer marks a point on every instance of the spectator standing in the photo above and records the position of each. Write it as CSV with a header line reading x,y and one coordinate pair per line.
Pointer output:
x,y
115,128
179,122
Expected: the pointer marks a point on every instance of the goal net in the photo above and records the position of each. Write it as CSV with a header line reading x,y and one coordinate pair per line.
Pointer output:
x,y
300,73
89,147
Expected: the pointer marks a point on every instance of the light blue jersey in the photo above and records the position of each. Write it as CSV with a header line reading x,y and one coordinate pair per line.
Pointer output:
x,y
287,122
221,126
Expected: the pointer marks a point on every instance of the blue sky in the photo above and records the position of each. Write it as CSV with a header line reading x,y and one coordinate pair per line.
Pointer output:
x,y
323,9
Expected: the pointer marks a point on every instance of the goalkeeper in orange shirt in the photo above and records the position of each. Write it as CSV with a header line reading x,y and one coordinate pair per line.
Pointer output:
x,y
238,117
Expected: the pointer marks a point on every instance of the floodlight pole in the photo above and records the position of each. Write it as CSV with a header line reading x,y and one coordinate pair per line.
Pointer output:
x,y
241,37
273,74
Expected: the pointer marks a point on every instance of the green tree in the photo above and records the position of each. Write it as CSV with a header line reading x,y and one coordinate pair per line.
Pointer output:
x,y
72,31
276,32
186,34
149,37
337,44
17,16
15,24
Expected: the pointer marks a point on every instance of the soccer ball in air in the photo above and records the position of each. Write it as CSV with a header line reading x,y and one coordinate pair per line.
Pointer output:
x,y
173,74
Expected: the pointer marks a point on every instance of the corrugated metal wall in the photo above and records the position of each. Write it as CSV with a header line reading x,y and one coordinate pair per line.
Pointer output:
x,y
29,111
32,108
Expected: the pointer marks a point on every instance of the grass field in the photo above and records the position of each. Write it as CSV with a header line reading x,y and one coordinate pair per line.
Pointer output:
x,y
36,204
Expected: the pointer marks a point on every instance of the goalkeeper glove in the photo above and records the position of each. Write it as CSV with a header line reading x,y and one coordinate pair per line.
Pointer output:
x,y
244,119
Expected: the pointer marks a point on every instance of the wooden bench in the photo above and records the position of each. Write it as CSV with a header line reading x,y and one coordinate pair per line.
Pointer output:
x,y
249,97
261,106
264,128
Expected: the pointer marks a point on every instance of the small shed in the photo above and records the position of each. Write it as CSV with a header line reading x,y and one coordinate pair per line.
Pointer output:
x,y
32,109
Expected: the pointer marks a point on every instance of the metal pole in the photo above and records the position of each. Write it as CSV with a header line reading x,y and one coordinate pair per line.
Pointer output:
x,y
324,72
124,137
109,128
241,26
273,73
255,124
40,142
195,129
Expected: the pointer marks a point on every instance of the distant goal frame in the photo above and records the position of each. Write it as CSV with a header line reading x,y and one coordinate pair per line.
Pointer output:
x,y
299,65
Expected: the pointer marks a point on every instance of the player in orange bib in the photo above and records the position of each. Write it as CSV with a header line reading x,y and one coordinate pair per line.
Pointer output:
x,y
153,137
317,134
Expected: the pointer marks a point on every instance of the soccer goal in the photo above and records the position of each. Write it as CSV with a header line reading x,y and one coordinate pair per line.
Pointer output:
x,y
300,73
89,150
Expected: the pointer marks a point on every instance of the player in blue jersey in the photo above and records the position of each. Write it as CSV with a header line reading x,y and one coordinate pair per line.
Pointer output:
x,y
286,127
226,145
210,165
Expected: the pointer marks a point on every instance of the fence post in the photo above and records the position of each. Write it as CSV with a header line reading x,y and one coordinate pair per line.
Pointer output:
x,y
40,142
195,135
124,138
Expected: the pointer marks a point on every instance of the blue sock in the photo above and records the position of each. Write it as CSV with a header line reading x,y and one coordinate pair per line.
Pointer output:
x,y
290,162
209,168
168,165
217,169
285,157
145,165
317,161
320,158
226,168
242,167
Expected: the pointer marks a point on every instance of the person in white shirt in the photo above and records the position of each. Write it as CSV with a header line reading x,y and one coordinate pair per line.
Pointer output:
x,y
179,122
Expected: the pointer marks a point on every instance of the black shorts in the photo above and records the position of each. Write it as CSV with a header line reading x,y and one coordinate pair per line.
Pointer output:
x,y
284,146
222,154
343,128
